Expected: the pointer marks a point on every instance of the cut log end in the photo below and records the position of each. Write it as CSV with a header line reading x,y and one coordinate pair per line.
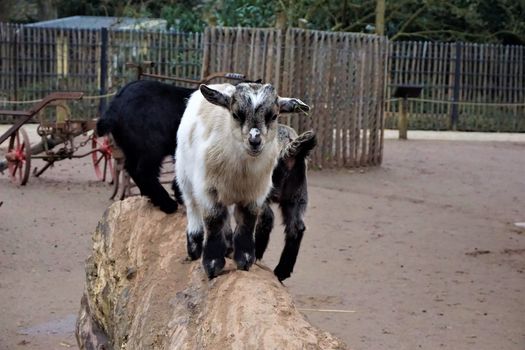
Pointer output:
x,y
141,293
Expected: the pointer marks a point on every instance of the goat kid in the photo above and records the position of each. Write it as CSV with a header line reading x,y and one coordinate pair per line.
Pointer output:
x,y
290,192
227,148
144,118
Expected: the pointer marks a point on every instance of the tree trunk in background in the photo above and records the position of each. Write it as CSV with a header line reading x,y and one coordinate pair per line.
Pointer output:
x,y
142,294
380,17
6,7
47,9
281,19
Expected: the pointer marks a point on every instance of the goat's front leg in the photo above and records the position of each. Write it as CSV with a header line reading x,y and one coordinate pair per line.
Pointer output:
x,y
263,229
215,221
243,242
292,213
195,229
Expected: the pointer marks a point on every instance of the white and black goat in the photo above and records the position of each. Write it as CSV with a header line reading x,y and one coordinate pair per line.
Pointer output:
x,y
227,148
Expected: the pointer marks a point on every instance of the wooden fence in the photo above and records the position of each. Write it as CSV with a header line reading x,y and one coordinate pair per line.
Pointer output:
x,y
487,81
476,87
36,61
341,75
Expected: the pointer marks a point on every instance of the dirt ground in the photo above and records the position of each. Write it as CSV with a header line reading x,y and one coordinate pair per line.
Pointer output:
x,y
422,252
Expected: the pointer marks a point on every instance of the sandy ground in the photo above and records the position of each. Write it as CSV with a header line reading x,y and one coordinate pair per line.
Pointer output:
x,y
422,252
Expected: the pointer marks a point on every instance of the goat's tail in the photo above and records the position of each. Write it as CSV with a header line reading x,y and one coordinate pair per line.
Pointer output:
x,y
104,126
301,146
106,123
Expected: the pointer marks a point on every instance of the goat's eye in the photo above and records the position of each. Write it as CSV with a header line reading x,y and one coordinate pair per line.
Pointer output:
x,y
270,117
238,116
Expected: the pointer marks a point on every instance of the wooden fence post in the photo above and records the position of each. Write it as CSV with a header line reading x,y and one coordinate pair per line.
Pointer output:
x,y
103,67
16,57
457,85
402,120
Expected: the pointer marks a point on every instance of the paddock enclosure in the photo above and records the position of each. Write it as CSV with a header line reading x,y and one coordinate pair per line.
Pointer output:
x,y
341,75
347,78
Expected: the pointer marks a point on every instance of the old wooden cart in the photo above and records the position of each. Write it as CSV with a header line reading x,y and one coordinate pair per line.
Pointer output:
x,y
60,130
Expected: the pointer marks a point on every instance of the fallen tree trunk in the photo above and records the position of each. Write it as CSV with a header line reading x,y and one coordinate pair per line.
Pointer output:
x,y
141,293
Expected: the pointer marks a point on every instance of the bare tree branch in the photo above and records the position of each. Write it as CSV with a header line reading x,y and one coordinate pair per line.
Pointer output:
x,y
409,21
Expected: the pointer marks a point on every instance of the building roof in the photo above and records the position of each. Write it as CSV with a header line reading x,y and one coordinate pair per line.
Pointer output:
x,y
98,22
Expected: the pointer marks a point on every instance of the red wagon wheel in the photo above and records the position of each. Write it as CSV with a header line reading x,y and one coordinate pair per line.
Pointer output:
x,y
102,157
19,157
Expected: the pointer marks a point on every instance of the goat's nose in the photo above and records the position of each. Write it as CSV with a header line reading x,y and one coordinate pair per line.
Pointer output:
x,y
255,141
255,138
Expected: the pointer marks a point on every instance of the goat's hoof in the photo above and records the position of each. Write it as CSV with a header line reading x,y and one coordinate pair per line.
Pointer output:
x,y
194,251
213,267
259,254
282,273
194,244
169,207
244,260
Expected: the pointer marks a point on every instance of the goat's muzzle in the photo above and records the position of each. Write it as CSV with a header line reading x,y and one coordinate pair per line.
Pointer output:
x,y
255,142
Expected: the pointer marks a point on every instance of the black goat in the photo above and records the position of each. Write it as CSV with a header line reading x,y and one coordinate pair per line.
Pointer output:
x,y
291,193
144,118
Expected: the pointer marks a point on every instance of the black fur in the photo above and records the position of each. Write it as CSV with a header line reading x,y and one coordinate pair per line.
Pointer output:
x,y
243,242
144,118
215,247
263,229
290,191
194,242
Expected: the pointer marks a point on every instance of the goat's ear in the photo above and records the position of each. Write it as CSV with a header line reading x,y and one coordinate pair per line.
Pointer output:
x,y
215,97
291,105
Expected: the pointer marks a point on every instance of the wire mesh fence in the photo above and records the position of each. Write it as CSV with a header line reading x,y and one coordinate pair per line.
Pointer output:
x,y
466,86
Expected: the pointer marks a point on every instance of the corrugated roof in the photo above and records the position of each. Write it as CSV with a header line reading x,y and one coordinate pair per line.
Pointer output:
x,y
98,22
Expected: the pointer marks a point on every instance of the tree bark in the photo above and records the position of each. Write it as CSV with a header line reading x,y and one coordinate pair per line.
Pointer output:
x,y
380,17
5,10
141,293
47,9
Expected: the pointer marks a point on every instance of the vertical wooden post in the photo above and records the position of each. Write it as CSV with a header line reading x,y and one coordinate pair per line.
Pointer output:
x,y
457,84
103,67
402,120
206,44
16,59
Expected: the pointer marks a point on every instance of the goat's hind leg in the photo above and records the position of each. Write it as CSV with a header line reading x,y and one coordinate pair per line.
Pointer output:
x,y
243,241
147,178
215,221
176,191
